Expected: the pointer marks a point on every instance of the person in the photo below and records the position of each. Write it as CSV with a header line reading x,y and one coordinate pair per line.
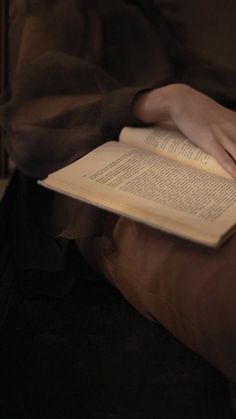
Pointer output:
x,y
82,73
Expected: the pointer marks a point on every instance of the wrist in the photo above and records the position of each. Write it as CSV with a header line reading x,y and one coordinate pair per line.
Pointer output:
x,y
159,104
152,106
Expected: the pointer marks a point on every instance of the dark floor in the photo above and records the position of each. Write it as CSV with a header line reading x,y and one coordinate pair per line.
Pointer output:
x,y
90,355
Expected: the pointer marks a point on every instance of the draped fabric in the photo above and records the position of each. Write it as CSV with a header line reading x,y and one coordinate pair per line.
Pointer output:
x,y
76,69
75,80
74,74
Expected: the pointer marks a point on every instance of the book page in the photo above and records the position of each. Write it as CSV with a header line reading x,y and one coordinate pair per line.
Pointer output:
x,y
170,143
148,188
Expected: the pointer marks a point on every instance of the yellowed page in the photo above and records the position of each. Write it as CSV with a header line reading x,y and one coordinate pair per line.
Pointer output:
x,y
170,143
151,189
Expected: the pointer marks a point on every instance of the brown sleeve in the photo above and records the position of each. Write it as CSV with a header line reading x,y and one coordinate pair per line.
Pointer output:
x,y
64,101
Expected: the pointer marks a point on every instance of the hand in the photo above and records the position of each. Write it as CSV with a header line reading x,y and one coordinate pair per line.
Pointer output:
x,y
202,120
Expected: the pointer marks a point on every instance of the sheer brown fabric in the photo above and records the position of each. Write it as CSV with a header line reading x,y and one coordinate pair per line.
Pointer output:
x,y
75,79
73,86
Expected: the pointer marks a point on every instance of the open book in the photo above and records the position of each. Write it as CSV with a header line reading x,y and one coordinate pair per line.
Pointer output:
x,y
155,176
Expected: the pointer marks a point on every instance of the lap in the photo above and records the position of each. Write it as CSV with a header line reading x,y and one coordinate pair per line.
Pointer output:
x,y
189,288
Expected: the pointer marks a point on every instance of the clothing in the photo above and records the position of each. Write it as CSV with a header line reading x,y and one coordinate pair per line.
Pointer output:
x,y
77,95
74,89
190,289
71,96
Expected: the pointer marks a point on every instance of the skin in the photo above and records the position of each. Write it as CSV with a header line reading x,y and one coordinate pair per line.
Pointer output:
x,y
202,120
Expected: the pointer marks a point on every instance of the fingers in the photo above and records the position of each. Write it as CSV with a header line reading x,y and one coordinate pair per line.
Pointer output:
x,y
224,143
221,141
228,145
223,158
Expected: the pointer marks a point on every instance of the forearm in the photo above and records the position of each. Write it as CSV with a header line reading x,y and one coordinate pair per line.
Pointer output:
x,y
62,107
65,101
